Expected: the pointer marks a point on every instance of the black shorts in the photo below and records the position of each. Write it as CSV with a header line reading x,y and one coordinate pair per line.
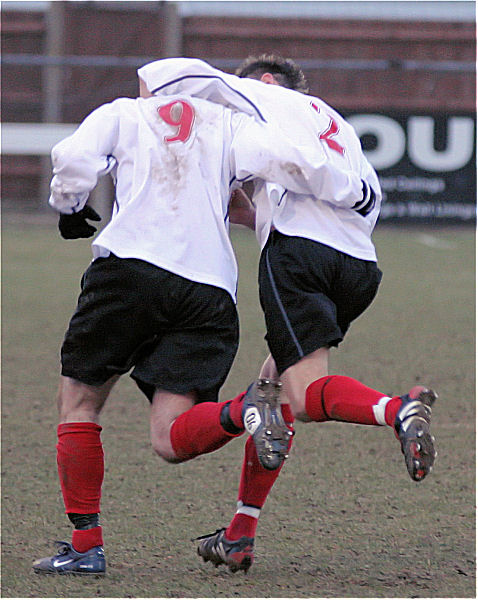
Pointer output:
x,y
176,334
310,293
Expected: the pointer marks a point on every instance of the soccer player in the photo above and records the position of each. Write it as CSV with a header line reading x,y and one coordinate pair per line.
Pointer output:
x,y
318,272
159,296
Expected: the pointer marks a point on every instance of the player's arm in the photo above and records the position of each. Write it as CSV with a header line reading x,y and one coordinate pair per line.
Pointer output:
x,y
81,158
262,150
174,75
78,161
197,78
370,176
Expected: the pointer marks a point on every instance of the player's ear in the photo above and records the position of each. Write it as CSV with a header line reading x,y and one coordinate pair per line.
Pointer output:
x,y
269,78
143,90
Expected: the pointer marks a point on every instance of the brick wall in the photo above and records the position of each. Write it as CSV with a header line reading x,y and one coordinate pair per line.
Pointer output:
x,y
329,39
91,30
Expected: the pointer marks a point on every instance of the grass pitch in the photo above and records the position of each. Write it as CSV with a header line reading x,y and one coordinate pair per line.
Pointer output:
x,y
343,519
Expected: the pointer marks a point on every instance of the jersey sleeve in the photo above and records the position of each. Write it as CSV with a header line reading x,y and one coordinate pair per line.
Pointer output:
x,y
262,150
304,170
81,158
197,78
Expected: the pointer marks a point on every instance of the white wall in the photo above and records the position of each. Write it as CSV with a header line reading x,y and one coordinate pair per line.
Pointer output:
x,y
409,10
358,9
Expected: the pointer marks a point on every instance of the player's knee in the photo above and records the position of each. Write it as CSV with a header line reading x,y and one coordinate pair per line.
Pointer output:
x,y
301,415
297,410
174,460
162,447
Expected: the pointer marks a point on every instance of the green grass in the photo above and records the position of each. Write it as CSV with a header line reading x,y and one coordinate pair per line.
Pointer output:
x,y
343,519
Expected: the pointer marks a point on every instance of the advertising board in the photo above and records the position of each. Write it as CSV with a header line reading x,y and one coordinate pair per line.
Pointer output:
x,y
426,163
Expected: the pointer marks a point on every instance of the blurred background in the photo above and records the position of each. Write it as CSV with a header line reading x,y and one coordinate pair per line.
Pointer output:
x,y
354,525
403,73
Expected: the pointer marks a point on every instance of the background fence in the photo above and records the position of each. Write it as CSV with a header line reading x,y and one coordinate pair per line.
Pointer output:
x,y
407,85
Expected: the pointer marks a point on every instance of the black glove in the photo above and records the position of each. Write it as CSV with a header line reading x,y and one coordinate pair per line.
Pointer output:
x,y
367,204
75,226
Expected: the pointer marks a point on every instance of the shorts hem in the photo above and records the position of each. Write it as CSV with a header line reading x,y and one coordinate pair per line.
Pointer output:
x,y
149,389
85,379
293,361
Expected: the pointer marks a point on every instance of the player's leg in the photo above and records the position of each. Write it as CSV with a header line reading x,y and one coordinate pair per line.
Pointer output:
x,y
183,372
79,402
269,369
182,429
234,545
102,341
80,468
256,481
315,299
340,398
79,432
208,426
298,377
316,396
196,354
166,407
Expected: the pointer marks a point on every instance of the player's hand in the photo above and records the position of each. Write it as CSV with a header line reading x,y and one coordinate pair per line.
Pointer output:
x,y
75,226
241,210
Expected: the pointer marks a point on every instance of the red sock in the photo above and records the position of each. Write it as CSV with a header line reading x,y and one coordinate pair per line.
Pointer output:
x,y
84,539
255,485
235,410
199,430
80,466
339,398
392,409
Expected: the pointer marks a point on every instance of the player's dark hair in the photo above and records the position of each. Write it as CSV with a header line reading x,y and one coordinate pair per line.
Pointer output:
x,y
285,70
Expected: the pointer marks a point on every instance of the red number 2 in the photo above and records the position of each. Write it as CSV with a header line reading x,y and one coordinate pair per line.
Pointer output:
x,y
327,135
179,114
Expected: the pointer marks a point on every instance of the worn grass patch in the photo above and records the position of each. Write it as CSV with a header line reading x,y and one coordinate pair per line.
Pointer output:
x,y
343,520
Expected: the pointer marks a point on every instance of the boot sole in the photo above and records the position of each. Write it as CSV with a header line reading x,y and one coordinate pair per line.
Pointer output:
x,y
418,445
272,440
74,573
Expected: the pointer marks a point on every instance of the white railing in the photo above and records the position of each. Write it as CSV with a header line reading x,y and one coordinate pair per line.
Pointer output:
x,y
33,139
37,139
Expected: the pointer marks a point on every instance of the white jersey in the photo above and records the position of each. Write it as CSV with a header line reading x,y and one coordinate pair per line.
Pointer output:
x,y
306,120
175,161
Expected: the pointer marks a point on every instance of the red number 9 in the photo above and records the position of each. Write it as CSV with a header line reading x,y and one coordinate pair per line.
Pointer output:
x,y
179,114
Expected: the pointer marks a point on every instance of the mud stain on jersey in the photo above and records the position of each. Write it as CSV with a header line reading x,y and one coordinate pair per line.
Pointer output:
x,y
171,173
291,168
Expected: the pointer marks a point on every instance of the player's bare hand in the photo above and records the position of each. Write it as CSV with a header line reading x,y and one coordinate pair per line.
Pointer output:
x,y
241,209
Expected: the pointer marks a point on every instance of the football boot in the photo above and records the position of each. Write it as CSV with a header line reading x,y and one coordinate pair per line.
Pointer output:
x,y
412,425
67,561
237,555
263,420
